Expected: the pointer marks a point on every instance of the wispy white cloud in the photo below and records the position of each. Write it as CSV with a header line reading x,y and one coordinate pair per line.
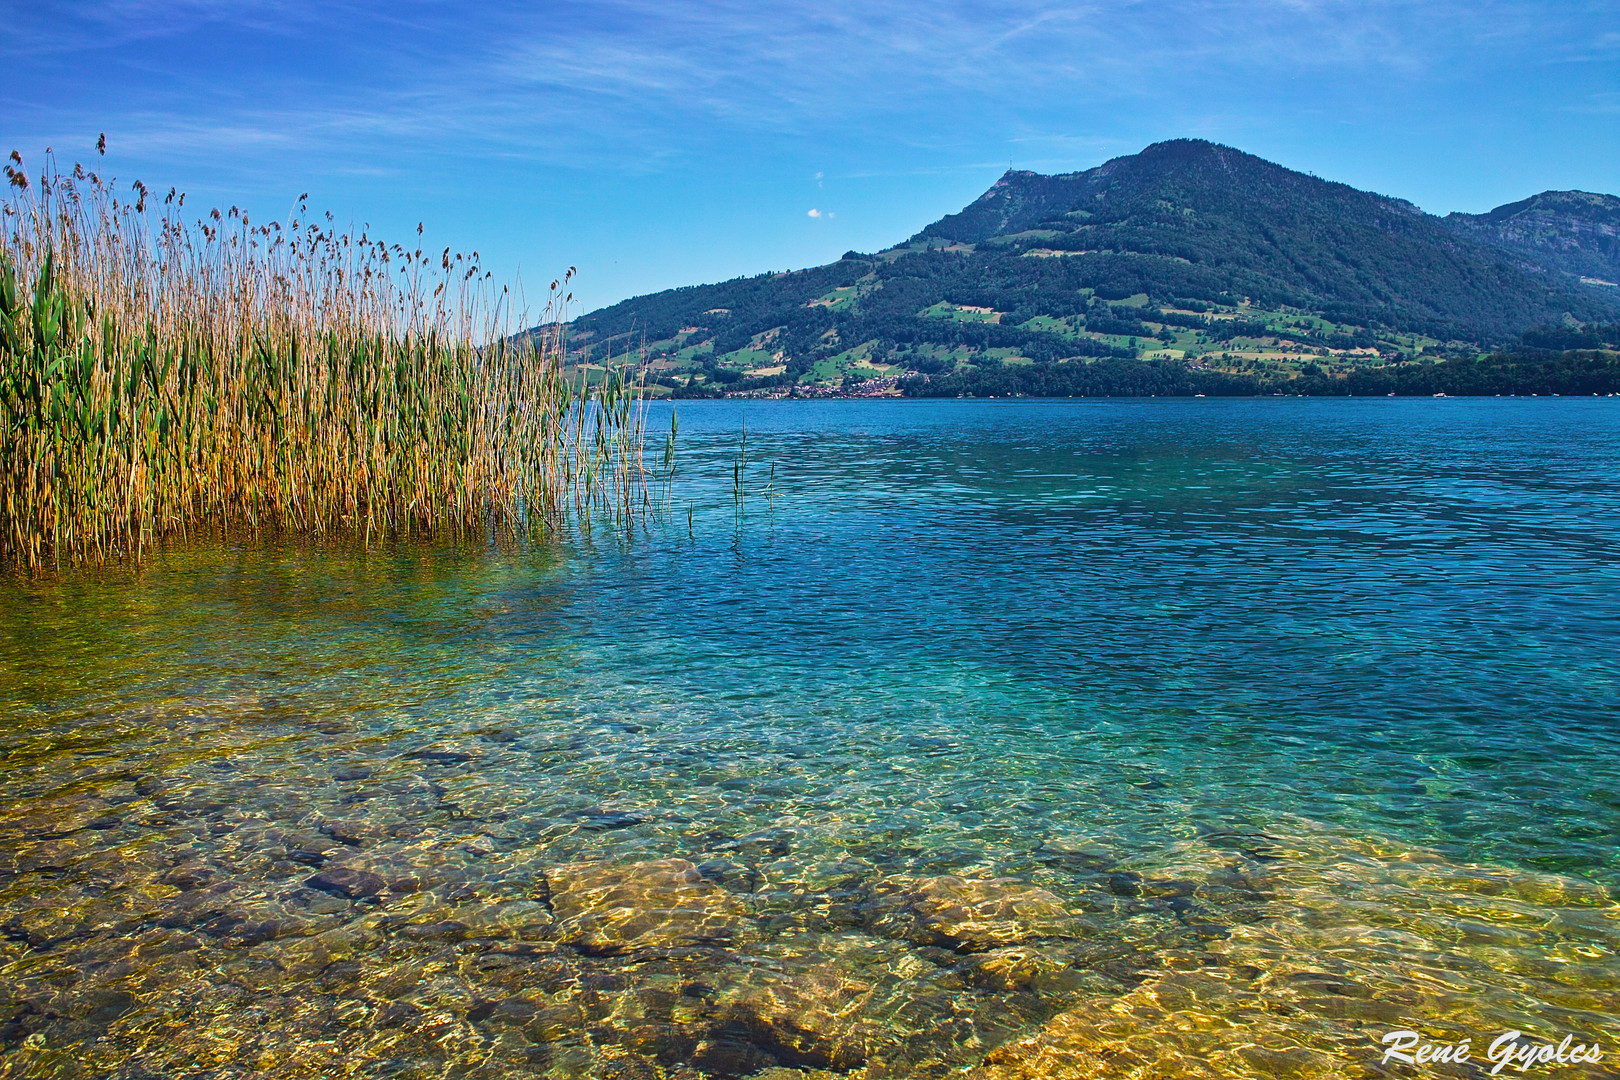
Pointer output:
x,y
636,81
502,101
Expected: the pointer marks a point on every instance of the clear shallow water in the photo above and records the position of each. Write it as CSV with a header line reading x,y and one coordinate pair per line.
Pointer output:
x,y
1182,738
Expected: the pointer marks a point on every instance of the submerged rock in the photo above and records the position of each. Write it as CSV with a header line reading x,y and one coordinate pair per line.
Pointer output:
x,y
971,915
553,1023
347,833
99,1008
440,757
605,909
1011,969
442,930
1194,1024
607,820
347,882
732,875
189,876
809,1020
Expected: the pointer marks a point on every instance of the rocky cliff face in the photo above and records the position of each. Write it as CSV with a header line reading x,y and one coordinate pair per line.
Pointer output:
x,y
1574,232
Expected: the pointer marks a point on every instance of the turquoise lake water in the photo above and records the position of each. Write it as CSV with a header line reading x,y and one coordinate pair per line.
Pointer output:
x,y
1013,738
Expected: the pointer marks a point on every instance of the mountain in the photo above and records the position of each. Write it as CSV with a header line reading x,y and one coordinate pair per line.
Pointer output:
x,y
1188,253
1575,232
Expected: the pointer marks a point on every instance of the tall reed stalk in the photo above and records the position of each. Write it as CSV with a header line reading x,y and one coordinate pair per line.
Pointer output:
x,y
161,378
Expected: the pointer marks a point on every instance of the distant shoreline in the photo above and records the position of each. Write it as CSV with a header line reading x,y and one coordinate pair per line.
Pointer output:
x,y
1525,373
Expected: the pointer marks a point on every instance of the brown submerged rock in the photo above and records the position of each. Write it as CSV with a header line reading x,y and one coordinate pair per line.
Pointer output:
x,y
1194,1025
972,915
1012,969
605,909
813,1019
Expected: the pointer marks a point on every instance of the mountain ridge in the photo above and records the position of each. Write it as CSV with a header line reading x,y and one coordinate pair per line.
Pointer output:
x,y
1164,159
1188,251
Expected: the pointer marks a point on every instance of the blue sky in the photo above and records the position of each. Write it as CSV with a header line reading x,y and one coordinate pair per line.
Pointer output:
x,y
654,144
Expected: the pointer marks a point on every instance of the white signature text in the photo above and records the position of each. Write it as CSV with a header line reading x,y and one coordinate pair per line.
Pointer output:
x,y
1509,1049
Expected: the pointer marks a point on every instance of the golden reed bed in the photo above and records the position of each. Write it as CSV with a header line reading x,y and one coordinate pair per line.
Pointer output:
x,y
163,377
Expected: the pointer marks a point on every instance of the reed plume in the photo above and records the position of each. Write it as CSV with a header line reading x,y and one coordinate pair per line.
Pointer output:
x,y
161,378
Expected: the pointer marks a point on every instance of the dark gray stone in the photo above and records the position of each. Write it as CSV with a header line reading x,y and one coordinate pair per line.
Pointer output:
x,y
347,882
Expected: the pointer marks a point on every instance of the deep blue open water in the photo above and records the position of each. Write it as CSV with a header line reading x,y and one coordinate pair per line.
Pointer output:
x,y
1189,737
